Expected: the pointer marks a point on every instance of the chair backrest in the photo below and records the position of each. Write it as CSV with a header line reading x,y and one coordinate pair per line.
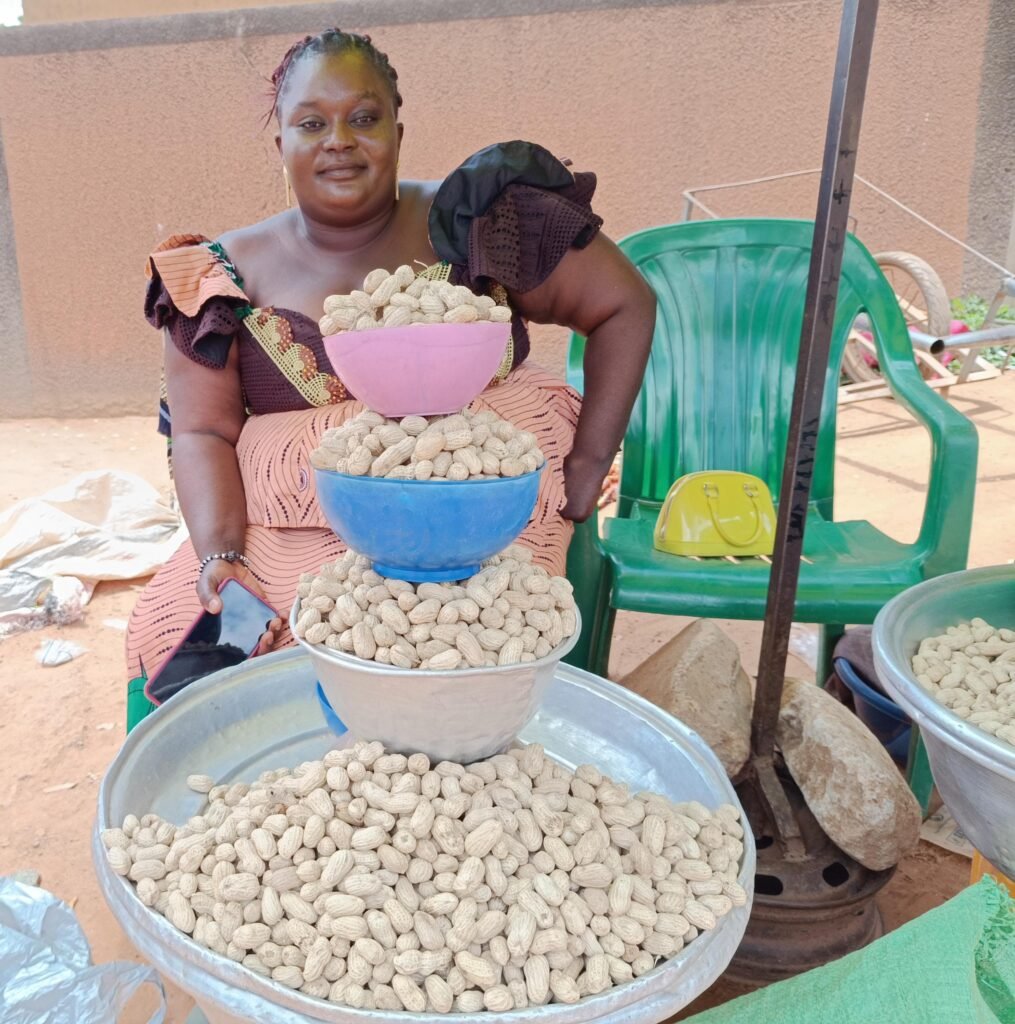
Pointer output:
x,y
718,389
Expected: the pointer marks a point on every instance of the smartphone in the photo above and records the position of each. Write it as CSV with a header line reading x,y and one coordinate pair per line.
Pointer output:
x,y
213,642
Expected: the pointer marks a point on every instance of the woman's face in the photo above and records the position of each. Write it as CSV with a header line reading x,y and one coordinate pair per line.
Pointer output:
x,y
339,137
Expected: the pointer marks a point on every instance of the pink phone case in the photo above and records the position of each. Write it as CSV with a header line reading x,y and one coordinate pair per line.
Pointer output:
x,y
197,618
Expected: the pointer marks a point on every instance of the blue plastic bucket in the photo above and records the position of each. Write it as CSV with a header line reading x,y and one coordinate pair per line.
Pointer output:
x,y
879,713
335,724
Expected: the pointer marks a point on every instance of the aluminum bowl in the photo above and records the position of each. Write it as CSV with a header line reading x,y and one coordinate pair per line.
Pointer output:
x,y
974,771
263,714
463,715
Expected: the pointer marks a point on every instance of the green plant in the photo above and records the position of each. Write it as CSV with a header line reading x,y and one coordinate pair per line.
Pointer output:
x,y
972,311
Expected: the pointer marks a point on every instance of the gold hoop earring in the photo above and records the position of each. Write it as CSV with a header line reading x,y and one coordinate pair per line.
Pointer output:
x,y
288,187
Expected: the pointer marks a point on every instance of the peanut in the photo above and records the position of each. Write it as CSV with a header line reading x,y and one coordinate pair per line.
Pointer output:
x,y
970,669
403,290
381,882
200,783
357,446
433,624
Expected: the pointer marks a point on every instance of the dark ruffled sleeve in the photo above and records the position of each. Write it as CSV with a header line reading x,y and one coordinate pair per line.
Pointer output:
x,y
510,213
192,294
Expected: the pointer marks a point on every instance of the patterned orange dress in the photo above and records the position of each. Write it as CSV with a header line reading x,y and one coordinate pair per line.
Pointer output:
x,y
513,239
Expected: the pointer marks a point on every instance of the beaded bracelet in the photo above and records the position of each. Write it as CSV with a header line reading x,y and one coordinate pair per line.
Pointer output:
x,y
225,556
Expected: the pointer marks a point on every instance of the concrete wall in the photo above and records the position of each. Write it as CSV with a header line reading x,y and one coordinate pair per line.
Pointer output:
x,y
117,133
41,12
992,193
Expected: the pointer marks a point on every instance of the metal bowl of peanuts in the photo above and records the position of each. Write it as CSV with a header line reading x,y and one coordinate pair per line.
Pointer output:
x,y
523,887
945,651
453,670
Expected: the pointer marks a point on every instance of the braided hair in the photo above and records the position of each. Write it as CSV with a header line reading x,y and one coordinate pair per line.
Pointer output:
x,y
333,41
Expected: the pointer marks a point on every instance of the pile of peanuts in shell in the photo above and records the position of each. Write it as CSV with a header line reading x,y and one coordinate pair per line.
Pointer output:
x,y
466,446
970,669
512,611
376,881
402,299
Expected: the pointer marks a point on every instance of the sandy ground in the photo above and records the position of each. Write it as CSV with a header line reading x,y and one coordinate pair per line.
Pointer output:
x,y
62,726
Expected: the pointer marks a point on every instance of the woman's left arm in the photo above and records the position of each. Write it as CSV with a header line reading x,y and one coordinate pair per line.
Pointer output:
x,y
597,292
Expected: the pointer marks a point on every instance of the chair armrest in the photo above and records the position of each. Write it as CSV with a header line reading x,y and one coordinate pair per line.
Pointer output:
x,y
575,370
588,571
943,543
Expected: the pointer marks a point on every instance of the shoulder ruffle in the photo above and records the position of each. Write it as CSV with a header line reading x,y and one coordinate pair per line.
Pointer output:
x,y
511,212
195,293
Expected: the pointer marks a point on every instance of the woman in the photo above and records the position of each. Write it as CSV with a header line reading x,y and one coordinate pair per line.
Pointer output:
x,y
512,220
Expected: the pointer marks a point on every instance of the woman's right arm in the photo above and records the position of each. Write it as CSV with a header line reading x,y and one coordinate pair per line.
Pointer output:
x,y
207,416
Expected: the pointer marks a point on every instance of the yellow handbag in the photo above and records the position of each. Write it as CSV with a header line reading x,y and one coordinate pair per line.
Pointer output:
x,y
717,513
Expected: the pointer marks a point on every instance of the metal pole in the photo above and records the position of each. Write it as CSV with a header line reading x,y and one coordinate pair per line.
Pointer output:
x,y
830,228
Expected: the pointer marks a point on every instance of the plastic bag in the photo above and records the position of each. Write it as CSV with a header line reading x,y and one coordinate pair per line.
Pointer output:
x,y
102,525
54,651
46,973
30,602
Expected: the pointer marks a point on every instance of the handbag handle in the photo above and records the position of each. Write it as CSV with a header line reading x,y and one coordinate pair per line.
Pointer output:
x,y
712,498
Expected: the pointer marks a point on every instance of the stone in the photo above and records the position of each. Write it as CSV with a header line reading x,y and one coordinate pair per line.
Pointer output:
x,y
850,783
698,678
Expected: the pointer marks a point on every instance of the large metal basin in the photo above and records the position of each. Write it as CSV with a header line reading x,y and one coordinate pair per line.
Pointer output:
x,y
265,714
974,771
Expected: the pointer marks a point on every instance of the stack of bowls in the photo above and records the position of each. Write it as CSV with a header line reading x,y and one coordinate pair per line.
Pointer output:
x,y
427,531
423,530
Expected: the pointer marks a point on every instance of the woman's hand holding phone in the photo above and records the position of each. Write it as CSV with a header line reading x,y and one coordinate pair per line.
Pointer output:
x,y
215,576
238,624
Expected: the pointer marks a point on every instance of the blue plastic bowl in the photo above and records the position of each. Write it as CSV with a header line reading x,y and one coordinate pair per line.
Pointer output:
x,y
335,724
426,530
889,723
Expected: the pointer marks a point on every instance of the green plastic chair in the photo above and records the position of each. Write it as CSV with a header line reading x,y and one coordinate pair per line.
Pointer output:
x,y
717,395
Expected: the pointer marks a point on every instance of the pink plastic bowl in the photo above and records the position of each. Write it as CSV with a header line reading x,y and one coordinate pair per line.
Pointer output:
x,y
423,370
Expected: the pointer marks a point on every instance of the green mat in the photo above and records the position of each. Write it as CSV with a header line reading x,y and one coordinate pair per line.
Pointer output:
x,y
953,965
